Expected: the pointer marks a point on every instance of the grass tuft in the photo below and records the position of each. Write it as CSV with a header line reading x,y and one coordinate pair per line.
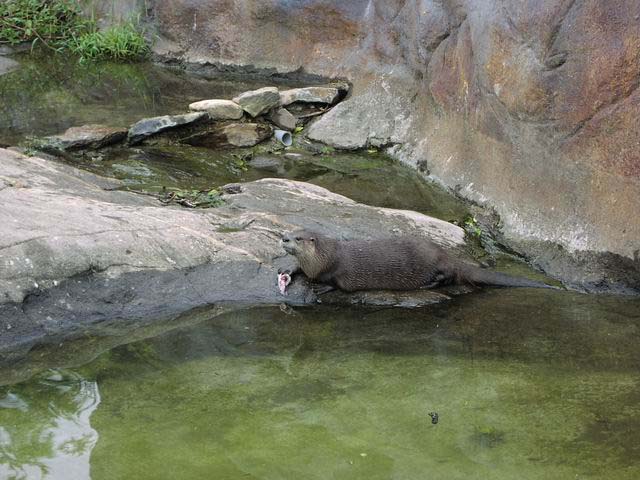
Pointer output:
x,y
59,25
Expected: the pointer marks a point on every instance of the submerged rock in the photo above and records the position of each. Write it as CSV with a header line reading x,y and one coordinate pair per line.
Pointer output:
x,y
257,102
326,95
231,135
7,65
218,109
152,126
272,163
85,137
283,119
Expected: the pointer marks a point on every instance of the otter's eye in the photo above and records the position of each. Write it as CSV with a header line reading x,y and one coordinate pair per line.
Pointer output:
x,y
298,239
312,239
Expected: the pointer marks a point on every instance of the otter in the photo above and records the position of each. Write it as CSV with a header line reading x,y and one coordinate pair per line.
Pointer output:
x,y
393,263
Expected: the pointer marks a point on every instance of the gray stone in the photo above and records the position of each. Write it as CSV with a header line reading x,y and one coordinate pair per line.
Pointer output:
x,y
326,95
218,109
7,65
152,126
257,102
230,135
364,120
86,137
75,252
283,119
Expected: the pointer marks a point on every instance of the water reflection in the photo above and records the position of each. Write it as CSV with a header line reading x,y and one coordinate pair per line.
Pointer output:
x,y
45,429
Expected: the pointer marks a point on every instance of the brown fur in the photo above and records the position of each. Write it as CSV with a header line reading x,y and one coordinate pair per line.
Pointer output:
x,y
394,263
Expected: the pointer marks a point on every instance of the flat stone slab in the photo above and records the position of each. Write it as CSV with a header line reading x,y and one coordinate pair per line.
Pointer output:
x,y
326,95
283,119
231,135
151,126
74,251
86,137
257,102
218,109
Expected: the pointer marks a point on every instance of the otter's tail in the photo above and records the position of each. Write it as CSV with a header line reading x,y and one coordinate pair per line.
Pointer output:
x,y
479,276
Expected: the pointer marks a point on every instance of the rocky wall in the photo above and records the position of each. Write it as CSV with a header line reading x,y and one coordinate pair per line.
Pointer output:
x,y
529,107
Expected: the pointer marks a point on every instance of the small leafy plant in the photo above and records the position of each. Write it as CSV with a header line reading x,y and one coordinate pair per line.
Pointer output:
x,y
50,22
471,226
59,25
193,198
119,42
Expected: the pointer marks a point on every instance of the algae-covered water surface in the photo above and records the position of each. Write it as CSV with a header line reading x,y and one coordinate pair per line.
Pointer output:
x,y
526,384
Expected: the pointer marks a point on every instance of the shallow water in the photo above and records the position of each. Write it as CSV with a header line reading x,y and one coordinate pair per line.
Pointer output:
x,y
527,384
50,93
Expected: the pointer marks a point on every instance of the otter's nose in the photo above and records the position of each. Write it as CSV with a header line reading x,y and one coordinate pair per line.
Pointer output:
x,y
286,238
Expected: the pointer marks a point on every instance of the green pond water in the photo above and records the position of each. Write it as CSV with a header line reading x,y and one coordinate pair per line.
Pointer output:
x,y
527,384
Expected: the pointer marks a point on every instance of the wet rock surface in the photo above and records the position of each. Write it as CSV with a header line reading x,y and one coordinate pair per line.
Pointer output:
x,y
86,253
85,137
529,108
218,109
257,102
151,126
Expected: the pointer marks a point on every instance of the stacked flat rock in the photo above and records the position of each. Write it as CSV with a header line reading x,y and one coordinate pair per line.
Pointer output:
x,y
86,137
326,95
151,126
218,109
231,135
257,102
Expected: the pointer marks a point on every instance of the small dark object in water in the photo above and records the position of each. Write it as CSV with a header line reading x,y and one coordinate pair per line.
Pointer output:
x,y
434,417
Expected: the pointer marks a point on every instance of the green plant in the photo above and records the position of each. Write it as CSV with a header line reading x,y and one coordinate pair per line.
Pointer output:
x,y
50,22
59,25
119,42
193,198
471,226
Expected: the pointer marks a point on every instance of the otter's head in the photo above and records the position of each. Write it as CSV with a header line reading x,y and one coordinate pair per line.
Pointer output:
x,y
299,242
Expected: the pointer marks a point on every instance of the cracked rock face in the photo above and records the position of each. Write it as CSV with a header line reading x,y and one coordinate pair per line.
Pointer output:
x,y
75,252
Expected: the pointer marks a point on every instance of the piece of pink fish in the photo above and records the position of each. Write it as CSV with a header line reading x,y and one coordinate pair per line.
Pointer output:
x,y
284,279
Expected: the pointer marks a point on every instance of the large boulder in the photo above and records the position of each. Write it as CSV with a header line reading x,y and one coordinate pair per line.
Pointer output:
x,y
76,252
527,107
